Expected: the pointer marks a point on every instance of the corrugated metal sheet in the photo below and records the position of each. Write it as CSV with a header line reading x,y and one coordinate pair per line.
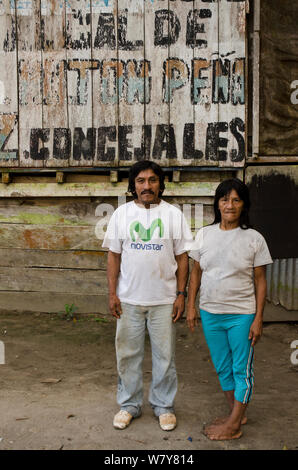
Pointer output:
x,y
282,283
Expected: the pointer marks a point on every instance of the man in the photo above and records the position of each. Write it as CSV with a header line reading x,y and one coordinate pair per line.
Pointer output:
x,y
147,276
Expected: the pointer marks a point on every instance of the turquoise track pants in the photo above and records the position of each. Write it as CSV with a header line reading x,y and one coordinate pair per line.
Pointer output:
x,y
231,351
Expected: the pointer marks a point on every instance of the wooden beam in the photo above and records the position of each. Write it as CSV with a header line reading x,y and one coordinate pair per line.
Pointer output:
x,y
272,159
100,189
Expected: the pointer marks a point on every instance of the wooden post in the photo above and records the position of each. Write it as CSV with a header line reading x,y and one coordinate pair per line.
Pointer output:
x,y
6,179
114,176
256,82
60,177
176,176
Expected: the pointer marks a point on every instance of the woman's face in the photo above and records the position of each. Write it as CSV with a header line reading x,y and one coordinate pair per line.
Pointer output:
x,y
230,207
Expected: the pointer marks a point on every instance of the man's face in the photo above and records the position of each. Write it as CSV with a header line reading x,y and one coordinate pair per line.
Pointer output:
x,y
147,187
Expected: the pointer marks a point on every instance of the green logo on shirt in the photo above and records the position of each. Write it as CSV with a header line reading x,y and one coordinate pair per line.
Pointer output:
x,y
145,234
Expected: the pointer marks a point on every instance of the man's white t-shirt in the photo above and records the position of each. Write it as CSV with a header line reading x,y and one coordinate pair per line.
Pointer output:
x,y
148,240
227,259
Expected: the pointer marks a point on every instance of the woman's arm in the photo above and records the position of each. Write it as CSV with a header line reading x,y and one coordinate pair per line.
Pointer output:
x,y
260,293
194,285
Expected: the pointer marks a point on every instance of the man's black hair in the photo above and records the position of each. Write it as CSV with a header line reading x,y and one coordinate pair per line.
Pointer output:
x,y
142,166
224,188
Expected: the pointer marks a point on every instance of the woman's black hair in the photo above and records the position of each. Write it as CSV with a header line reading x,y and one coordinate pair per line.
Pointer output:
x,y
142,166
224,188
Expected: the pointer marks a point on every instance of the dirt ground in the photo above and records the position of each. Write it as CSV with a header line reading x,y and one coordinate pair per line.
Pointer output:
x,y
58,389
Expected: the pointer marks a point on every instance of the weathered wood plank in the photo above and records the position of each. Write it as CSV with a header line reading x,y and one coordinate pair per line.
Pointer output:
x,y
54,83
178,77
53,259
32,136
205,39
101,189
135,89
107,80
8,87
49,302
231,82
79,82
44,237
70,281
157,109
63,214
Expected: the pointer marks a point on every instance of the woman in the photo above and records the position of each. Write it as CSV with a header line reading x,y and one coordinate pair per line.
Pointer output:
x,y
229,268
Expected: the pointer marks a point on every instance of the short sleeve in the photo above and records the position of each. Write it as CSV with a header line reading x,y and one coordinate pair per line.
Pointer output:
x,y
195,252
112,239
262,254
180,243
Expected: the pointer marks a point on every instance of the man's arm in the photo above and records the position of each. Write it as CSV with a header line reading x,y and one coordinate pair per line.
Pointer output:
x,y
113,270
182,277
260,292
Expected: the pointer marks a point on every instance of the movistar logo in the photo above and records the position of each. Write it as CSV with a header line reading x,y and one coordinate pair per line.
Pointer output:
x,y
145,234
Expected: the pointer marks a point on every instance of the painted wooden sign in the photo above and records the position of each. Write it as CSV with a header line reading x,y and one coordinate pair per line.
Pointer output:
x,y
108,82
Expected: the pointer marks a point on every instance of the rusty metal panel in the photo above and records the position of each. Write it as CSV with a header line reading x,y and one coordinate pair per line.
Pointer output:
x,y
282,283
279,79
108,82
274,202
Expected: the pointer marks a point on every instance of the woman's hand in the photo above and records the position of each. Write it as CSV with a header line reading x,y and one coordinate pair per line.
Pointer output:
x,y
255,331
256,328
192,317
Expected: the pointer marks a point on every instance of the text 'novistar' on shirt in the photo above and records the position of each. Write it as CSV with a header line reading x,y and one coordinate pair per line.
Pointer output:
x,y
146,246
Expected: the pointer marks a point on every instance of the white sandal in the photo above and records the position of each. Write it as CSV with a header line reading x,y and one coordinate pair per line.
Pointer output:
x,y
122,419
167,421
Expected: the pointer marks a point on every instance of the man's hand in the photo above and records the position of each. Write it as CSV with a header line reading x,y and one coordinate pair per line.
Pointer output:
x,y
192,318
178,308
115,306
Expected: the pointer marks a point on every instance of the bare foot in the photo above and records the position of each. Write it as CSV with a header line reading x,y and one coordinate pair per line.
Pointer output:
x,y
222,432
223,419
